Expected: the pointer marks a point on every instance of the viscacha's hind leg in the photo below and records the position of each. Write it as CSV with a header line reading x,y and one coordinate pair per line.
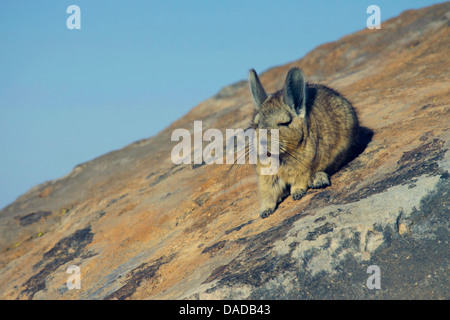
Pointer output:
x,y
319,180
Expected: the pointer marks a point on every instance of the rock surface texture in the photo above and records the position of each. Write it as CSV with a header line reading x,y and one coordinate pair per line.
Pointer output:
x,y
140,227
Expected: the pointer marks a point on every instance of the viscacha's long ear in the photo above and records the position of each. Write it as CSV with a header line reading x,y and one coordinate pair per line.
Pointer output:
x,y
294,91
259,95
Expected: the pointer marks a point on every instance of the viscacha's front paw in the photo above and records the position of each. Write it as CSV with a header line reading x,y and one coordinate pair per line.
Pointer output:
x,y
297,195
320,180
265,213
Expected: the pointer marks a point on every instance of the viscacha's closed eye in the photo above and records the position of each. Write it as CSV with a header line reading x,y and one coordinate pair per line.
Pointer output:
x,y
285,121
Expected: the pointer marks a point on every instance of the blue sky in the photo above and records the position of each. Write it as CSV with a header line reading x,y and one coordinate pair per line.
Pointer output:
x,y
68,96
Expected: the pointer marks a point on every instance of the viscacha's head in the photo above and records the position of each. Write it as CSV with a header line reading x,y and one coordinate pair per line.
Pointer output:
x,y
284,110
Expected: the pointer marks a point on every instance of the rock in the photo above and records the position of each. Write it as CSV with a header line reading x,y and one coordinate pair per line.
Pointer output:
x,y
140,227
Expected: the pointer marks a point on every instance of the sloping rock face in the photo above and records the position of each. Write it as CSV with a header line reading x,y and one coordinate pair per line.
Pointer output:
x,y
140,227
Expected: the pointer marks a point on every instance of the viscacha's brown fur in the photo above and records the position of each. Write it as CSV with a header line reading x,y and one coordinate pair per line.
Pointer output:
x,y
317,130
